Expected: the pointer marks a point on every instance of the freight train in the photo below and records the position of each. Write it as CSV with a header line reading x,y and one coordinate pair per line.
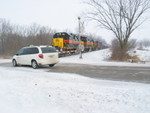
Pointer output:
x,y
68,43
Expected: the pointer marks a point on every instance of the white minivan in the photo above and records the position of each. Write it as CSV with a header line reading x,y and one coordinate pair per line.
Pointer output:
x,y
36,56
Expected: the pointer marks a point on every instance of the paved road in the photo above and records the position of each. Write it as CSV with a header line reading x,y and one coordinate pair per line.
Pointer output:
x,y
133,74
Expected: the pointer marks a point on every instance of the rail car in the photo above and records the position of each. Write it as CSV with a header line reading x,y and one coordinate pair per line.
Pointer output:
x,y
87,43
68,43
99,45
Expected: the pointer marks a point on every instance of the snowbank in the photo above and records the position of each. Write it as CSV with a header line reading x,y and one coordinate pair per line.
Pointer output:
x,y
143,54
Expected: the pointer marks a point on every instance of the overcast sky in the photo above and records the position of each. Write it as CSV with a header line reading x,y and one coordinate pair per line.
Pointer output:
x,y
60,15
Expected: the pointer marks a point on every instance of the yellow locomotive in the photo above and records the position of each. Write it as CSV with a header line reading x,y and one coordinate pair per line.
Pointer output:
x,y
68,43
65,42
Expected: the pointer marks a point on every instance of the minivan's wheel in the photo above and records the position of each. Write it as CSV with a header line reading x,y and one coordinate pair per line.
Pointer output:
x,y
34,64
14,62
51,65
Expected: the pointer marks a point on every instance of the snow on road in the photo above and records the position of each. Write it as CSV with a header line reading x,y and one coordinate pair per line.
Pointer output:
x,y
25,90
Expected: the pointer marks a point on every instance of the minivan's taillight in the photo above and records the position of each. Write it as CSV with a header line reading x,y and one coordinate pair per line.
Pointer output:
x,y
41,56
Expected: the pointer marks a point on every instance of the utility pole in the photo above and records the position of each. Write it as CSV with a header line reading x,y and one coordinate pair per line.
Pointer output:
x,y
80,45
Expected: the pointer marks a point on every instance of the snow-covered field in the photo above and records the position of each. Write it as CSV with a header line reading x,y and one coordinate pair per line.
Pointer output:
x,y
25,90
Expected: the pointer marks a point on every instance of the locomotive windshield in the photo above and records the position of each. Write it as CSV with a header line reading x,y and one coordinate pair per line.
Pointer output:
x,y
84,39
63,35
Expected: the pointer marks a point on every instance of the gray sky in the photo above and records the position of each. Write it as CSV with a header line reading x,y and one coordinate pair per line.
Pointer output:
x,y
57,14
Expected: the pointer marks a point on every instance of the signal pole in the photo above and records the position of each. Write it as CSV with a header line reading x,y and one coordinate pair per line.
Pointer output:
x,y
80,45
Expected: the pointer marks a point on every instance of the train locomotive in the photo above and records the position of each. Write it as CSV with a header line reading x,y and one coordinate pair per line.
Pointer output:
x,y
68,43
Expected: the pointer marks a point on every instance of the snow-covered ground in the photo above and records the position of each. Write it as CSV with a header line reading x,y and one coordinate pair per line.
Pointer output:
x,y
144,54
25,90
101,58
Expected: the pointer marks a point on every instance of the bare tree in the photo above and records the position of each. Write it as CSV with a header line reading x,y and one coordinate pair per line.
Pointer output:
x,y
122,17
39,35
5,30
13,37
117,52
45,36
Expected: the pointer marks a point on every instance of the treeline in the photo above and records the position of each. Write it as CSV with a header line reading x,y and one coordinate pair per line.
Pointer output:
x,y
144,43
13,37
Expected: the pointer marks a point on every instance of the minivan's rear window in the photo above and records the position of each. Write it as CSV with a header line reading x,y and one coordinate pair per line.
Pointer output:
x,y
48,49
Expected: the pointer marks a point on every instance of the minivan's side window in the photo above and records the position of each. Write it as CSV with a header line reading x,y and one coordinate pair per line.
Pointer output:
x,y
20,52
25,51
48,49
33,50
